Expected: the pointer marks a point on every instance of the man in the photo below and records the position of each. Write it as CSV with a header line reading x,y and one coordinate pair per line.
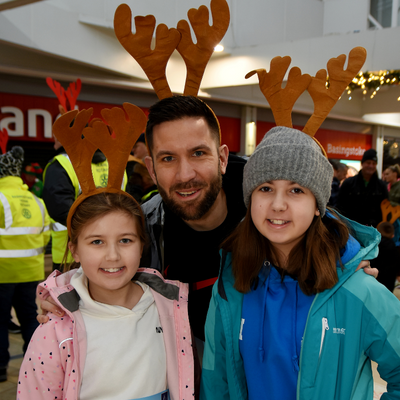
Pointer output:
x,y
24,233
360,196
339,174
200,201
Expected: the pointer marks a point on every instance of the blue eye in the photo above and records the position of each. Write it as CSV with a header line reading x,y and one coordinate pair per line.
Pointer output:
x,y
198,153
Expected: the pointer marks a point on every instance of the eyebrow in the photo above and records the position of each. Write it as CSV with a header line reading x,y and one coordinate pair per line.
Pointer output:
x,y
101,236
191,150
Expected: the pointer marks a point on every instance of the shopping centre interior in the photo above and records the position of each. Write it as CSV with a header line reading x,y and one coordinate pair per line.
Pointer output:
x,y
67,40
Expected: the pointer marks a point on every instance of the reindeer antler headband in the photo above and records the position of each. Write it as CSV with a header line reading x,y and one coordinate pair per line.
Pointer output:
x,y
71,94
154,62
196,56
81,139
282,100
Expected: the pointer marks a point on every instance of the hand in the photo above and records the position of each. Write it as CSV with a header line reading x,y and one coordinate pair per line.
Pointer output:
x,y
46,306
366,266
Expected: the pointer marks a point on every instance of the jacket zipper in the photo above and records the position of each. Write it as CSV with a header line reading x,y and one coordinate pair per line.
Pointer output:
x,y
325,327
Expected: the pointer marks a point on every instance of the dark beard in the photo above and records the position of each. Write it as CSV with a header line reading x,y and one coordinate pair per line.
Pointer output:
x,y
197,209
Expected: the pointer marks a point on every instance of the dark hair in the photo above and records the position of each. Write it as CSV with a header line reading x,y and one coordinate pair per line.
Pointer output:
x,y
97,206
312,261
396,169
179,107
386,229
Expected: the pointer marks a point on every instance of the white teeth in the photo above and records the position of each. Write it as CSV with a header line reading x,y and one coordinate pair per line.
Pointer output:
x,y
112,269
187,193
278,221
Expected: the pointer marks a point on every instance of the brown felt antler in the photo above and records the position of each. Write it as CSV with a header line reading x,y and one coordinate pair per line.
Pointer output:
x,y
389,213
196,56
281,99
138,45
325,98
117,147
79,150
115,137
3,140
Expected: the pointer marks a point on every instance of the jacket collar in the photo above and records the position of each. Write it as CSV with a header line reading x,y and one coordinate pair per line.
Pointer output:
x,y
368,238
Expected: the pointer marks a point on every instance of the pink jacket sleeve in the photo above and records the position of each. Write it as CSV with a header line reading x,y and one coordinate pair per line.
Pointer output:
x,y
46,361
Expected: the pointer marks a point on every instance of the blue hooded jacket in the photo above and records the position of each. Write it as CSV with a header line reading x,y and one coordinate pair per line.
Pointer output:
x,y
356,321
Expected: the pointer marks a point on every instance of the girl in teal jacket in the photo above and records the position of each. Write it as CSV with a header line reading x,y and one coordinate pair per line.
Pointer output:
x,y
290,317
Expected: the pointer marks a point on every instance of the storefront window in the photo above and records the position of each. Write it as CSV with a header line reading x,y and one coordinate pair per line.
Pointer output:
x,y
391,152
381,12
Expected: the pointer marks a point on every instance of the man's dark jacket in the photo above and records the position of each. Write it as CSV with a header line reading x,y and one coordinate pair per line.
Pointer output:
x,y
362,203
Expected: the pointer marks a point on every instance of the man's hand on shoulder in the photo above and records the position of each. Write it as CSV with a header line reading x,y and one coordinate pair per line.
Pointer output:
x,y
365,265
47,306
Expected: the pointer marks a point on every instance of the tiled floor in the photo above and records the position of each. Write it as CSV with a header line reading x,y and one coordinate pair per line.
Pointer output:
x,y
8,389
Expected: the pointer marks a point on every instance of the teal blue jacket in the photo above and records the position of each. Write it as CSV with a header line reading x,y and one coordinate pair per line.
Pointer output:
x,y
356,321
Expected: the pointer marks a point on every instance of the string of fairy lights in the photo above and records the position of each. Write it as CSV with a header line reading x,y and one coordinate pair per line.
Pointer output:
x,y
372,81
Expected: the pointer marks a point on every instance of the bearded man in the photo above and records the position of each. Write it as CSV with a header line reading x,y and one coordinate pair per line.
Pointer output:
x,y
200,200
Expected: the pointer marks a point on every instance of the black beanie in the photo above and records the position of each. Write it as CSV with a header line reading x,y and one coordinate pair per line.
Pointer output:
x,y
369,155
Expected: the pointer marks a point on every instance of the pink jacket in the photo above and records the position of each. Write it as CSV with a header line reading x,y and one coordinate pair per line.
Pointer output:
x,y
53,364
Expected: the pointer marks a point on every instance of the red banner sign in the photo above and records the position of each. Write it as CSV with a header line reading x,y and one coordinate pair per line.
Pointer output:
x,y
337,144
30,118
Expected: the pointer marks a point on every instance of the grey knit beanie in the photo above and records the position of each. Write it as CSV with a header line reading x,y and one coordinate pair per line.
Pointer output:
x,y
289,154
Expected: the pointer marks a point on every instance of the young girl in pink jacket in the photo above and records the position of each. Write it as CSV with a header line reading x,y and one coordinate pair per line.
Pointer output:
x,y
119,338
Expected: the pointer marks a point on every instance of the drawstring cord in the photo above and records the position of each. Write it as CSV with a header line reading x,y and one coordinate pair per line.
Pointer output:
x,y
261,350
295,358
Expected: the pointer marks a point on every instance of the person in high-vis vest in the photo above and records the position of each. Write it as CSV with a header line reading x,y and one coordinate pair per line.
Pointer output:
x,y
61,189
24,234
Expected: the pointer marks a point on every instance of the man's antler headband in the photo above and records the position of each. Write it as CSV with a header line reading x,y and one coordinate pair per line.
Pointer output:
x,y
154,62
282,100
81,139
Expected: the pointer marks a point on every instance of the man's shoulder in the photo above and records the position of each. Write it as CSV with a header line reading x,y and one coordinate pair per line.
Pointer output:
x,y
153,204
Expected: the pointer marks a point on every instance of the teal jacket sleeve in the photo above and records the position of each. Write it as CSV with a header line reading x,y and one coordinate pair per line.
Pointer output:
x,y
382,337
214,382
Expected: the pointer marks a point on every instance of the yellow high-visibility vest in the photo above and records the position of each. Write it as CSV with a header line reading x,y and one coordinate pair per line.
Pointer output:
x,y
24,232
59,233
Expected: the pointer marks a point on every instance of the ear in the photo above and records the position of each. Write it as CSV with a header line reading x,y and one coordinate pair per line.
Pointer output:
x,y
223,157
317,213
150,167
73,251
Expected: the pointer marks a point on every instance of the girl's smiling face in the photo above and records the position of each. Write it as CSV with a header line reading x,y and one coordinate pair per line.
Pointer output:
x,y
109,250
282,211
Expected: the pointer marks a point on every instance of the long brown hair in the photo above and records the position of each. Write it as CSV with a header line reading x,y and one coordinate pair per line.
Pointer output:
x,y
312,261
97,206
